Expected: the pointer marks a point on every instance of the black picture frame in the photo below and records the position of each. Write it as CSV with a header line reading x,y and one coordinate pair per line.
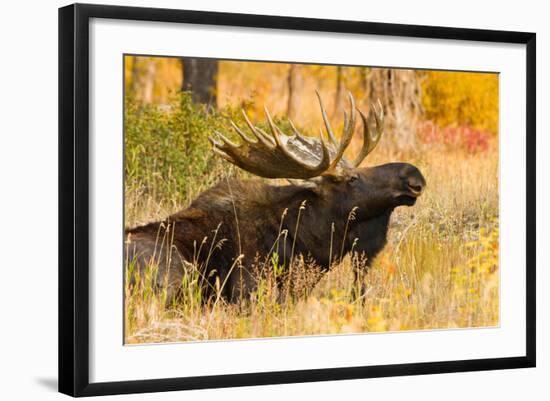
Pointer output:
x,y
74,198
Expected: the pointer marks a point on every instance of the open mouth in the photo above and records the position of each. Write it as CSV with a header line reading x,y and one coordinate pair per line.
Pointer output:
x,y
407,199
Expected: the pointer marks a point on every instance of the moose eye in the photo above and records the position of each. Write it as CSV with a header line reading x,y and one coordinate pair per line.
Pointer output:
x,y
353,178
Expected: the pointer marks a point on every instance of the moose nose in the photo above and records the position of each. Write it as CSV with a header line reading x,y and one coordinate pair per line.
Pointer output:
x,y
415,186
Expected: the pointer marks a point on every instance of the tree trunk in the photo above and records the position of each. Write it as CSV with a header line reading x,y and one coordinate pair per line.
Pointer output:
x,y
199,77
339,91
365,82
294,80
399,93
143,79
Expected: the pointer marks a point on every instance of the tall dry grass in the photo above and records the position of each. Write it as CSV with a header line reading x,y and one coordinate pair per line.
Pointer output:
x,y
438,270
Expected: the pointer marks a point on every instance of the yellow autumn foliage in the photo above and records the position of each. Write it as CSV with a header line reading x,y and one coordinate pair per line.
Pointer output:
x,y
449,98
453,98
165,73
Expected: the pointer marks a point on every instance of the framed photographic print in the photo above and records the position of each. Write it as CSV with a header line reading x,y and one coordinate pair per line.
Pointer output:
x,y
250,199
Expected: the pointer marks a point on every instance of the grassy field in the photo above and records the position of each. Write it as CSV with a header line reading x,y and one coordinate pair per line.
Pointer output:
x,y
439,269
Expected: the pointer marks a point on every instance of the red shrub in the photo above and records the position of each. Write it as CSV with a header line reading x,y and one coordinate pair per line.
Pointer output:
x,y
464,137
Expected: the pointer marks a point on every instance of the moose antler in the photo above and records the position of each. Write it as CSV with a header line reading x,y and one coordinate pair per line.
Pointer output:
x,y
370,141
296,156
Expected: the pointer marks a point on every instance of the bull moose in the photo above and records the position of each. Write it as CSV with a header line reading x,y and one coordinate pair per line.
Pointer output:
x,y
236,222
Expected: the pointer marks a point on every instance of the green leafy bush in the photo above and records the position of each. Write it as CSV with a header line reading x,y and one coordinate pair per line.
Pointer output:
x,y
167,152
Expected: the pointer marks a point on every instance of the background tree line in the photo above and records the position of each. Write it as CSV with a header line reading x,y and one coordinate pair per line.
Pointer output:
x,y
409,97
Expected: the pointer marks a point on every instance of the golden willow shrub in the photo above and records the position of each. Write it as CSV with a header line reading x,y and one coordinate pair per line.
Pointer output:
x,y
461,99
